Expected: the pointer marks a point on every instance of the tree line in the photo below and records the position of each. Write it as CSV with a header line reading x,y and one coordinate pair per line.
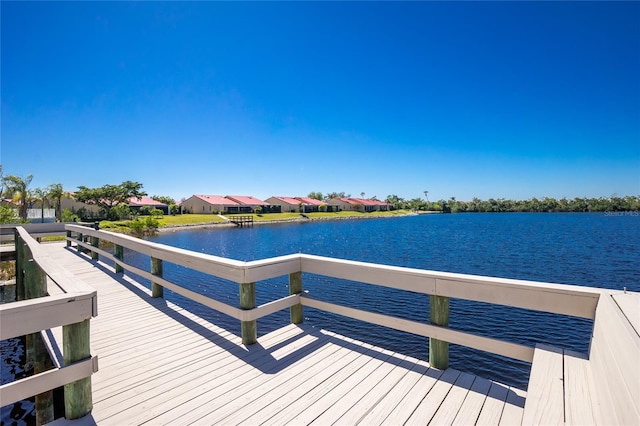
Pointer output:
x,y
112,200
545,204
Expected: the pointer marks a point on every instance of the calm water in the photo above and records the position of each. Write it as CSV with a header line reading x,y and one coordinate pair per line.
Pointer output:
x,y
599,249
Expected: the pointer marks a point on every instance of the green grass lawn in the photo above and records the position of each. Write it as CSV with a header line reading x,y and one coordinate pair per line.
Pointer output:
x,y
268,216
189,219
334,214
202,219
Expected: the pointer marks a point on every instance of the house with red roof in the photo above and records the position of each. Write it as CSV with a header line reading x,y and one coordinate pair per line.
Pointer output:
x,y
247,203
296,204
138,203
214,204
346,204
228,204
311,204
372,205
286,204
358,204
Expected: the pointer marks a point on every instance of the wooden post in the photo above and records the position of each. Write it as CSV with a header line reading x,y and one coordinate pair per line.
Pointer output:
x,y
68,236
119,254
37,354
438,349
95,242
248,301
80,238
295,287
20,249
156,269
78,401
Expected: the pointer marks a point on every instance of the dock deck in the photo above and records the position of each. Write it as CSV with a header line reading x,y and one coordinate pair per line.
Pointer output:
x,y
131,357
161,364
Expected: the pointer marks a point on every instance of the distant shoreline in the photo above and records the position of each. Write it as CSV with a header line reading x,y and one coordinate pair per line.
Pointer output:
x,y
214,225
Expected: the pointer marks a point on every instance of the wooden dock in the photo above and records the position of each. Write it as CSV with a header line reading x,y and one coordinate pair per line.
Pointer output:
x,y
241,221
161,364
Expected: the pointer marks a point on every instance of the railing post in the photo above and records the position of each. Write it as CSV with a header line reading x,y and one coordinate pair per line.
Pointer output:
x,y
37,354
119,254
68,240
19,266
248,301
438,349
156,269
95,242
295,287
78,401
80,238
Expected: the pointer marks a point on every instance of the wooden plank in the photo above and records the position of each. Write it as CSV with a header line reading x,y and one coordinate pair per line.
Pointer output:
x,y
252,403
31,316
449,408
366,366
487,344
494,405
415,280
513,407
578,385
615,351
350,399
203,398
227,383
427,408
391,400
472,405
556,298
259,270
39,383
270,308
293,404
629,304
545,393
380,389
408,404
202,360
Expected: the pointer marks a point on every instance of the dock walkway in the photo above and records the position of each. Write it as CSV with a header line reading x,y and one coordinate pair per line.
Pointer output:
x,y
160,364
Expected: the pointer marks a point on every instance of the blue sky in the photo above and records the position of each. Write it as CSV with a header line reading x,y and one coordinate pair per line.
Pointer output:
x,y
463,99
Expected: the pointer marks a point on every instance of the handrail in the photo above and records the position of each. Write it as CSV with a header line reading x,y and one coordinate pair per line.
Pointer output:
x,y
464,286
54,298
554,298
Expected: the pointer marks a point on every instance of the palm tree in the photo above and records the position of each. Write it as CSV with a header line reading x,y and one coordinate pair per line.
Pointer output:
x,y
362,194
426,195
40,195
17,189
56,193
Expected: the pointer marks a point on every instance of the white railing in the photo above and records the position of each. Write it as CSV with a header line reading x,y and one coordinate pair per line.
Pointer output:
x,y
554,298
50,298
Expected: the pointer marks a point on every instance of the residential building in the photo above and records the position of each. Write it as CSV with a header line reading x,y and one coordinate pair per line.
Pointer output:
x,y
286,204
346,204
202,204
247,204
138,203
358,204
310,204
